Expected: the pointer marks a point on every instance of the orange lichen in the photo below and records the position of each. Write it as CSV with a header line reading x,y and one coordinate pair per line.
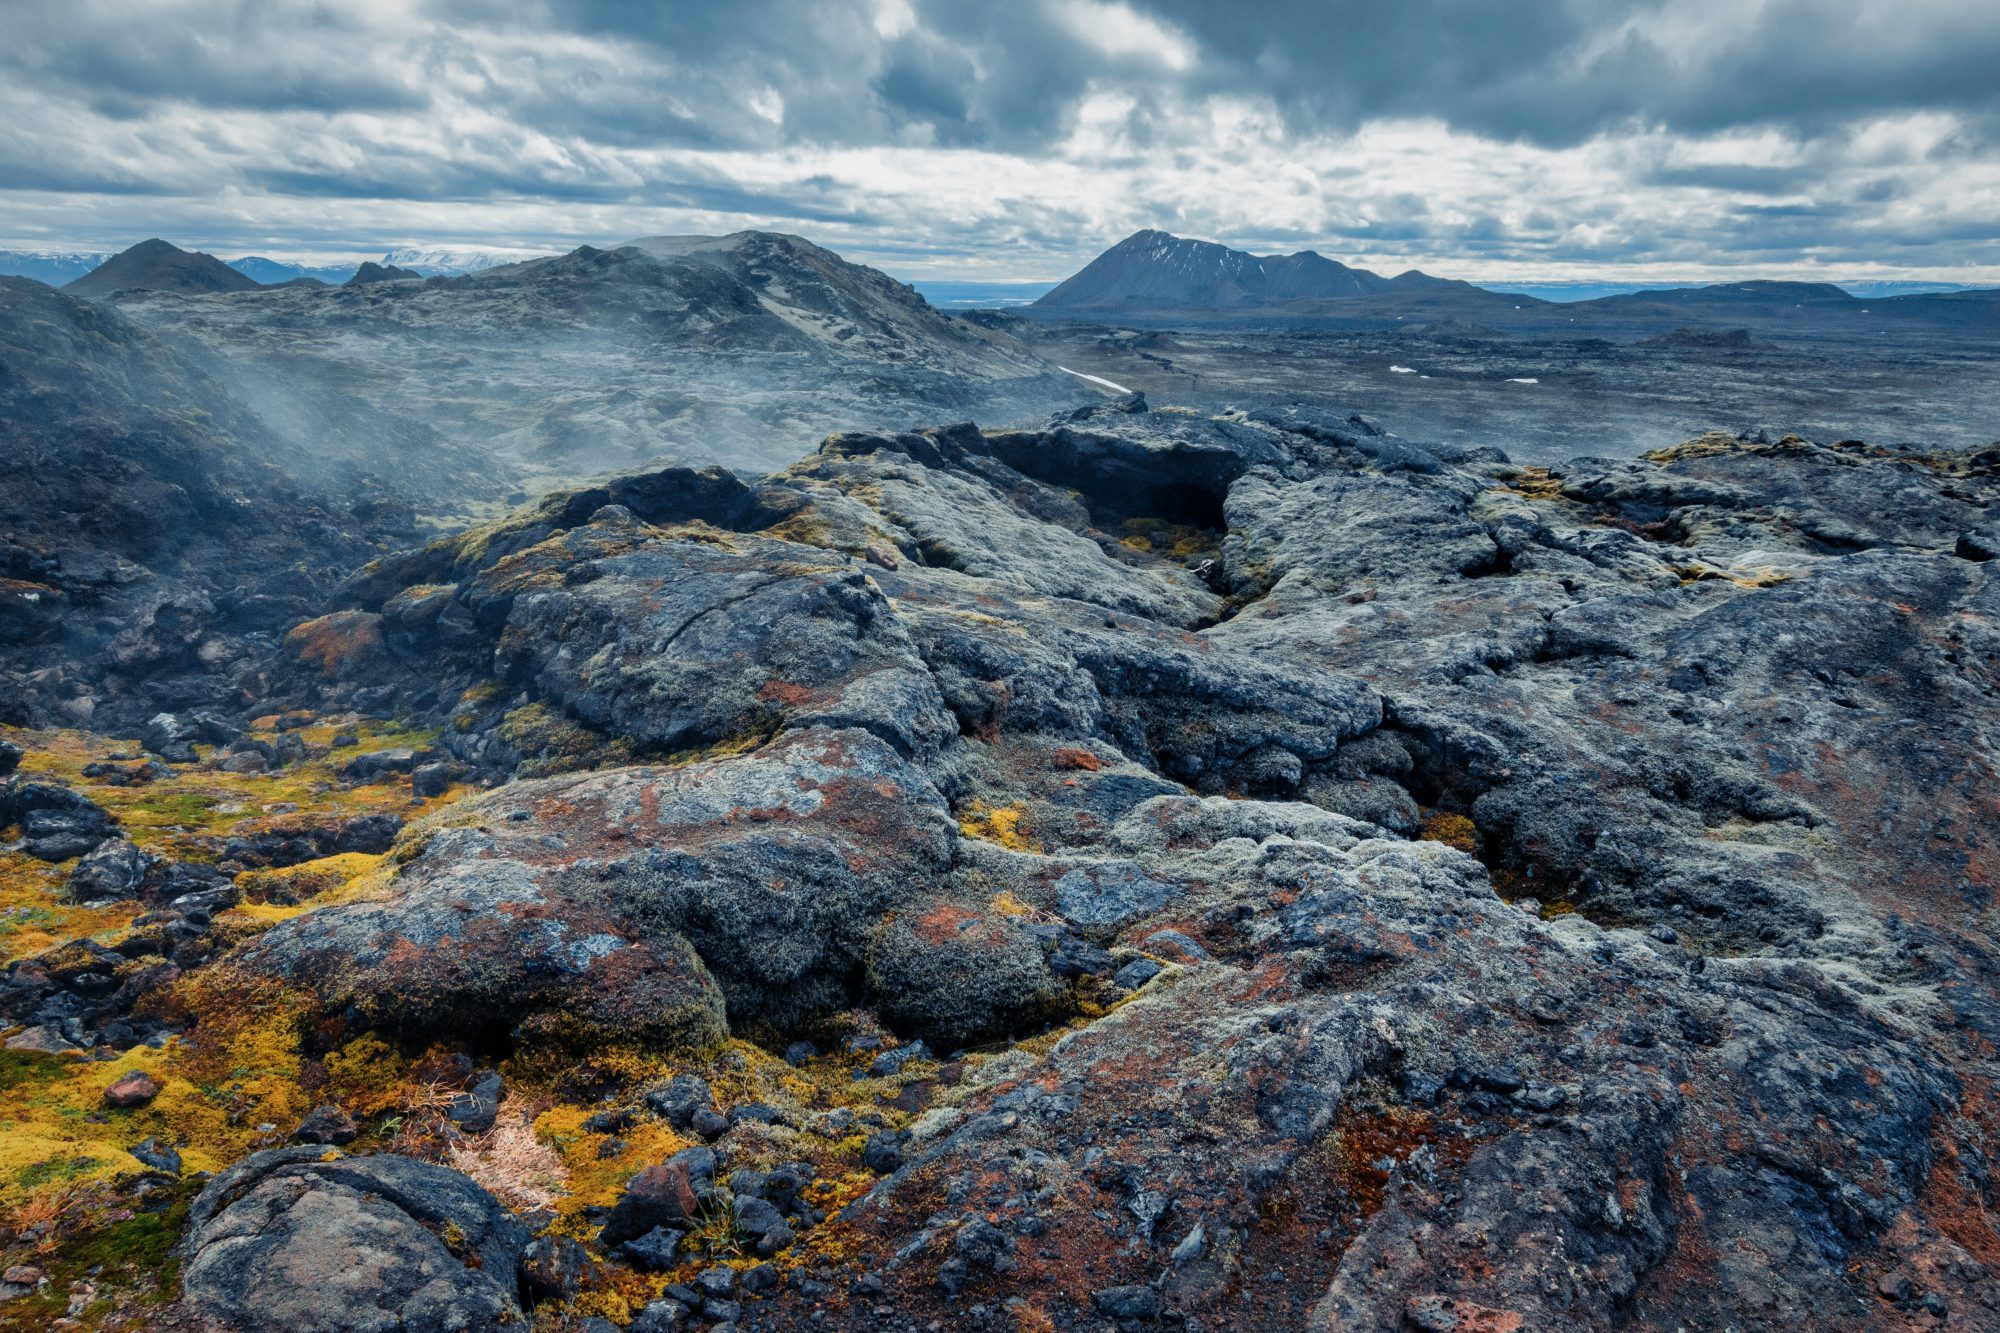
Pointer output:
x,y
338,643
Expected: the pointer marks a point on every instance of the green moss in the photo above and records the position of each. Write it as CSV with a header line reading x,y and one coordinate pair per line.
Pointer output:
x,y
550,742
23,1068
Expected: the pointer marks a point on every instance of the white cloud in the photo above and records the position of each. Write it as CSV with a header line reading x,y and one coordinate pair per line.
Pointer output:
x,y
463,122
1121,31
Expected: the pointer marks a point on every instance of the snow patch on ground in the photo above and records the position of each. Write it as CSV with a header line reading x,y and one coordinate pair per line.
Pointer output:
x,y
1402,370
1525,379
1094,379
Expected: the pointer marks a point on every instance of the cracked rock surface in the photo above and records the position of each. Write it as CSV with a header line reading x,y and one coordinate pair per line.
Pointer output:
x,y
1540,898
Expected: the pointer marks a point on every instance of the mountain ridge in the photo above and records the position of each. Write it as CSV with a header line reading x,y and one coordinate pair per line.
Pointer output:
x,y
1157,268
1155,277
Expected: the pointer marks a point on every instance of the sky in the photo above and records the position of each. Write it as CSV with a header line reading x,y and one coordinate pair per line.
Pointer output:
x,y
1522,140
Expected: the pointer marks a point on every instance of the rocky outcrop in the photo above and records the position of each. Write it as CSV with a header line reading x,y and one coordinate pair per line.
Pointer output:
x,y
1474,895
308,1239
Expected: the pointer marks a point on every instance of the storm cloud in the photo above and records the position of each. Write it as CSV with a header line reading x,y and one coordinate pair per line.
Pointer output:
x,y
1676,138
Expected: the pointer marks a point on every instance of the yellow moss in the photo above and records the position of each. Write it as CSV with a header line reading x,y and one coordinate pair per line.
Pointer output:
x,y
366,1076
1150,535
1715,442
1698,572
1451,830
34,916
999,824
191,811
236,1070
596,1181
1536,483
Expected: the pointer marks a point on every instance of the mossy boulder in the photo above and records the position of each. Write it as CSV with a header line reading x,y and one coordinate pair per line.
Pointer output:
x,y
954,974
311,1241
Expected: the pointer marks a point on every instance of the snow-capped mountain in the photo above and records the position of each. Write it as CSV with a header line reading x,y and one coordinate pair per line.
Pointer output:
x,y
51,266
441,261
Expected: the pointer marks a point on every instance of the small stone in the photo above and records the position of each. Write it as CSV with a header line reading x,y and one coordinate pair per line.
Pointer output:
x,y
555,1267
677,1100
157,1155
475,1109
1895,1286
799,1052
659,1196
709,1123
883,1152
661,1316
134,1089
326,1124
1130,1302
431,780
658,1250
40,1038
761,1280
892,1062
1136,974
716,1283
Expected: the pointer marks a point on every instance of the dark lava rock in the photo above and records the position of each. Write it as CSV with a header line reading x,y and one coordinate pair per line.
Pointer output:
x,y
1405,785
679,1099
475,1109
883,1152
10,757
662,1316
56,822
657,1251
431,779
115,868
554,1268
326,1124
286,1239
158,1155
661,1196
170,738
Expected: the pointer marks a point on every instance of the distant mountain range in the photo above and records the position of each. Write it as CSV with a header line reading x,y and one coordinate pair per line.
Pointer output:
x,y
58,268
1152,277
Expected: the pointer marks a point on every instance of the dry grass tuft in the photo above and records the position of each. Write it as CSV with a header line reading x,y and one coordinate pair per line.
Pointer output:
x,y
510,1161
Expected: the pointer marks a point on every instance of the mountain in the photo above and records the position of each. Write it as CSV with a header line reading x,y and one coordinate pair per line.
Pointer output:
x,y
275,272
1158,279
52,267
368,273
447,261
1154,270
740,350
158,266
